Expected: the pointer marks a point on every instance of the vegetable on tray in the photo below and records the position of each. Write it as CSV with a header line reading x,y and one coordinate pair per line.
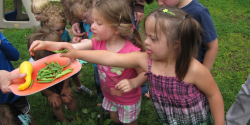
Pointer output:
x,y
26,67
51,72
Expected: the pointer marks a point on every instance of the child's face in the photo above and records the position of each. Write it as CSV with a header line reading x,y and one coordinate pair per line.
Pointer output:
x,y
100,27
156,44
168,2
86,17
38,16
58,27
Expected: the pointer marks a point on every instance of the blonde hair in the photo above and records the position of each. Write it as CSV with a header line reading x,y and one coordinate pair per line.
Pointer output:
x,y
38,6
52,14
74,7
118,14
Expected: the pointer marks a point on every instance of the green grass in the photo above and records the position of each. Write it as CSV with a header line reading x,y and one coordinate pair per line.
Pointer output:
x,y
231,68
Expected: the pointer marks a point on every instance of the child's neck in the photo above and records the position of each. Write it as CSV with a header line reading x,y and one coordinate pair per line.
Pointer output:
x,y
183,3
115,44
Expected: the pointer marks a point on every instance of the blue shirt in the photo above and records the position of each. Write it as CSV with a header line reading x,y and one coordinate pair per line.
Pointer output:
x,y
201,14
65,36
7,53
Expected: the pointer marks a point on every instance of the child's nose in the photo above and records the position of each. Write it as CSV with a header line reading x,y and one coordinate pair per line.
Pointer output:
x,y
146,41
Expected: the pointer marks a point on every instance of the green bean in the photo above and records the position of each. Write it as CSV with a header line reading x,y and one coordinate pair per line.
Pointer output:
x,y
64,73
61,51
31,83
49,76
45,81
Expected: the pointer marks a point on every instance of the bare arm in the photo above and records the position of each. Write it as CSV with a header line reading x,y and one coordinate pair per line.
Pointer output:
x,y
52,46
140,79
127,85
211,54
205,82
66,90
107,58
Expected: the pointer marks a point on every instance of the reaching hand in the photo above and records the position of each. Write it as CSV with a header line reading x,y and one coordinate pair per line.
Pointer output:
x,y
5,80
76,30
76,39
138,17
71,53
37,45
124,85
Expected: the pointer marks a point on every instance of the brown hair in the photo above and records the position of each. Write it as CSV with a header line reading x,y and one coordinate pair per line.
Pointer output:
x,y
72,8
183,28
38,6
52,14
118,14
43,34
9,114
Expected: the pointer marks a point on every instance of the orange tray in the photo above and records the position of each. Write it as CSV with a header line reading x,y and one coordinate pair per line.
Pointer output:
x,y
37,65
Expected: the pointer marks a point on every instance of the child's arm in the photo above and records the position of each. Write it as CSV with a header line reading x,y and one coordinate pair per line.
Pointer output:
x,y
66,90
107,58
204,81
211,53
9,51
85,44
52,98
127,85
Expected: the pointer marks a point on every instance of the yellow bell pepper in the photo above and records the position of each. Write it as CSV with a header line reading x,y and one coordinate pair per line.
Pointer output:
x,y
26,67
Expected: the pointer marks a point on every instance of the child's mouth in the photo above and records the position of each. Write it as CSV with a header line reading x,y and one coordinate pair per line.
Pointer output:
x,y
149,52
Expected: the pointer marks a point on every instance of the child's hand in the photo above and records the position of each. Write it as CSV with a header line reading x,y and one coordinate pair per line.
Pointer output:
x,y
37,45
54,100
124,85
76,30
71,53
66,92
76,40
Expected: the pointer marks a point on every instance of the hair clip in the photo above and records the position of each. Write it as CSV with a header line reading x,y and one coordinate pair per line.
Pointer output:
x,y
167,11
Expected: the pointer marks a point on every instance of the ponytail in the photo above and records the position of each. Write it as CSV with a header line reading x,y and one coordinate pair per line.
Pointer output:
x,y
189,39
137,40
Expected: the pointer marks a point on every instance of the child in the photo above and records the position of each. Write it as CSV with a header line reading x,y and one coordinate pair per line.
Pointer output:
x,y
37,8
9,53
112,27
73,13
239,112
61,92
80,10
10,115
182,90
209,46
53,17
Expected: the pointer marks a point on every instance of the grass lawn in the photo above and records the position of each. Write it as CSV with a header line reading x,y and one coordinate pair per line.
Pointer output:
x,y
231,68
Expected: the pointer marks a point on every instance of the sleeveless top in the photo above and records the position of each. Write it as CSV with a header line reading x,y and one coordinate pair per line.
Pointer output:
x,y
176,102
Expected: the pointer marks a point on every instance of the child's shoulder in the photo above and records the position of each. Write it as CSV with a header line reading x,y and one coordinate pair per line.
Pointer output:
x,y
129,46
196,71
196,67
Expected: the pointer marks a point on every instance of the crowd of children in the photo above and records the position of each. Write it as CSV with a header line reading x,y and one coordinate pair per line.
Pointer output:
x,y
176,57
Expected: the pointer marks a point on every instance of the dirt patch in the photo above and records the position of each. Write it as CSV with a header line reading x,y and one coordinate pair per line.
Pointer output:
x,y
1,29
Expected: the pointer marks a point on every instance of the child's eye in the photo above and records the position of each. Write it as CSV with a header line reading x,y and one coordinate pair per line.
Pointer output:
x,y
153,39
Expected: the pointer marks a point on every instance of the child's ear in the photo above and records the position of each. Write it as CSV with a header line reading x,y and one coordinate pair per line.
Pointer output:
x,y
117,32
176,44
